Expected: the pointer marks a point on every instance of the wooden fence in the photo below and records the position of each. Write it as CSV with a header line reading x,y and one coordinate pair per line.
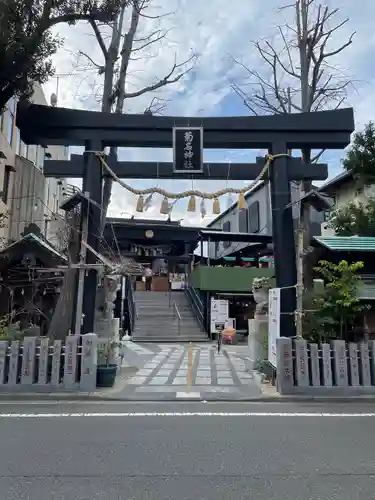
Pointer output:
x,y
335,367
48,367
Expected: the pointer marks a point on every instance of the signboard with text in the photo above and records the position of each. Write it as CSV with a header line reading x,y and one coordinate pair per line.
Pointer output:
x,y
219,314
188,150
274,303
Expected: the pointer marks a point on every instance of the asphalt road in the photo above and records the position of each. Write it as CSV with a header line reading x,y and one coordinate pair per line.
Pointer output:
x,y
186,451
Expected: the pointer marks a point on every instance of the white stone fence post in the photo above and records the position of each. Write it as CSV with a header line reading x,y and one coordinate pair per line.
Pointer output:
x,y
335,367
37,364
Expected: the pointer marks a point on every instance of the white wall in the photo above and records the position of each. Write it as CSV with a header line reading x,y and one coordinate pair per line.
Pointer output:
x,y
259,194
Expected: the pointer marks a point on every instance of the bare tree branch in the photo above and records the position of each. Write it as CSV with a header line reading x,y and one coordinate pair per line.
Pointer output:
x,y
98,66
303,58
161,35
99,38
156,106
167,80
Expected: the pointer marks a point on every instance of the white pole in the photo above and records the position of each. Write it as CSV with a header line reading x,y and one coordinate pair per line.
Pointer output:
x,y
82,270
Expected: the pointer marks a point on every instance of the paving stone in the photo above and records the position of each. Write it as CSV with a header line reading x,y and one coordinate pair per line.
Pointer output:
x,y
164,373
224,373
179,381
145,372
225,381
158,381
203,381
136,380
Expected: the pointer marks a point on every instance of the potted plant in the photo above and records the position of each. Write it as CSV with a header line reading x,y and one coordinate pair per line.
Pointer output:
x,y
106,367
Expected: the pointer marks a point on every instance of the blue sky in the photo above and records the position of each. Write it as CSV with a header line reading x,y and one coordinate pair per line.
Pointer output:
x,y
217,33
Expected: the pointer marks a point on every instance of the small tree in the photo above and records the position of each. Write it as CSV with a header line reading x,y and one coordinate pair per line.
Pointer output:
x,y
334,311
354,219
360,159
27,42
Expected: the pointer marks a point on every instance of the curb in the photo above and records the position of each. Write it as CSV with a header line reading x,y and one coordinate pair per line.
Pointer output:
x,y
55,397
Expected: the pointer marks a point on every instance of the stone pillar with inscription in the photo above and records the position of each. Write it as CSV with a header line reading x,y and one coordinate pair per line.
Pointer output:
x,y
340,363
285,376
89,362
106,326
258,327
302,363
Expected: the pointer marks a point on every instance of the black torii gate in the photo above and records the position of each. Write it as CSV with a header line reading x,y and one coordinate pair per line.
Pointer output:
x,y
278,134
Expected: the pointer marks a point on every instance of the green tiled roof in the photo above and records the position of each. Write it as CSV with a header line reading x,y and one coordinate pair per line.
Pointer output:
x,y
347,243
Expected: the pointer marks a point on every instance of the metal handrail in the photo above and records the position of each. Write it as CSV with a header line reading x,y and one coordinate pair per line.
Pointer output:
x,y
176,311
196,304
194,295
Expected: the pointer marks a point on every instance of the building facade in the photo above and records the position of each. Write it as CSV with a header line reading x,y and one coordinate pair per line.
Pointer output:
x,y
26,195
343,189
256,218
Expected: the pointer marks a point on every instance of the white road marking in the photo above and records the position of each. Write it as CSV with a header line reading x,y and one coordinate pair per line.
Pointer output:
x,y
182,414
188,395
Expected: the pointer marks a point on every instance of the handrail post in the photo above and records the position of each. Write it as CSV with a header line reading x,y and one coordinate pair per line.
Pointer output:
x,y
176,311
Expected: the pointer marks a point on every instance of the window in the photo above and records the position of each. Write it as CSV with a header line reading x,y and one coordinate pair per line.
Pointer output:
x,y
226,228
217,246
12,106
10,117
243,221
39,157
31,153
18,142
6,183
254,217
327,215
9,126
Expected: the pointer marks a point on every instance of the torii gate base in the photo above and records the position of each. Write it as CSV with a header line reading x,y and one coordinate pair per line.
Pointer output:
x,y
278,134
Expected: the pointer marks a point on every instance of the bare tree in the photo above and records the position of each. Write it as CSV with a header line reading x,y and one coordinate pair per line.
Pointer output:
x,y
299,76
119,47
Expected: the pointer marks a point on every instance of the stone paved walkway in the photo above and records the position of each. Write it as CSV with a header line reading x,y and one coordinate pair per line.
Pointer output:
x,y
167,372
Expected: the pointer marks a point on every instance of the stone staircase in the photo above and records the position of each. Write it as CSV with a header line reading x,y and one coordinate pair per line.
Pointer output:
x,y
157,319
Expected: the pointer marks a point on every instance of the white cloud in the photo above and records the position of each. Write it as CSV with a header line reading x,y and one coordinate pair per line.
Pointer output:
x,y
214,30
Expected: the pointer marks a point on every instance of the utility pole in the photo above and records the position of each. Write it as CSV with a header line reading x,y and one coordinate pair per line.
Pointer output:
x,y
299,249
299,288
82,261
